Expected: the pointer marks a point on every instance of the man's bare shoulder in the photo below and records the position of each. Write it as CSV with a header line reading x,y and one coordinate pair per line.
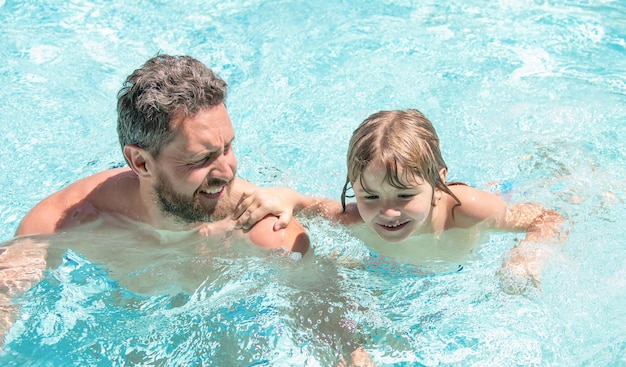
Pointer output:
x,y
79,202
292,238
262,234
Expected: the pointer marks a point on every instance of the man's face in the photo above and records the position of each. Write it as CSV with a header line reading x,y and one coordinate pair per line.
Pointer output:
x,y
195,172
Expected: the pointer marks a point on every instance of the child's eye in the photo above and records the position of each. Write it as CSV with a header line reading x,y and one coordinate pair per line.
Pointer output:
x,y
371,197
406,196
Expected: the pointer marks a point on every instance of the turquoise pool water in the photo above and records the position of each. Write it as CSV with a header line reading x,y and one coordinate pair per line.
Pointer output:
x,y
530,93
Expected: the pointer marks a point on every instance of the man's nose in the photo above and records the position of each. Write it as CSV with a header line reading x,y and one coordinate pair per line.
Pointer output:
x,y
222,168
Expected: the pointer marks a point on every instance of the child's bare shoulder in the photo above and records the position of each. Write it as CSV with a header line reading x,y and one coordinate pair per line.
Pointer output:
x,y
476,206
463,191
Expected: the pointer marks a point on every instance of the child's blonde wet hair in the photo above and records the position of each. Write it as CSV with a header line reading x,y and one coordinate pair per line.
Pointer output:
x,y
404,141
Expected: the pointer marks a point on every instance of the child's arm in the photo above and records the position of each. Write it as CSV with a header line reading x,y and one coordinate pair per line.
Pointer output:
x,y
543,227
283,202
484,208
525,260
540,224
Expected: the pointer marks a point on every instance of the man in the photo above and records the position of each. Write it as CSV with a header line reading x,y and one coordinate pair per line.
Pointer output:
x,y
176,137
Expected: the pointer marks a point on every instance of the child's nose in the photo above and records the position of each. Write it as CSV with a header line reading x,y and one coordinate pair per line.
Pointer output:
x,y
389,212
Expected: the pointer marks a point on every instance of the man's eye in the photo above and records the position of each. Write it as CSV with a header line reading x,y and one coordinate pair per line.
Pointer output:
x,y
202,161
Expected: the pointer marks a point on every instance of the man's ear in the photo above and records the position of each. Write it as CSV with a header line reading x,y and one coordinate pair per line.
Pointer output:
x,y
139,160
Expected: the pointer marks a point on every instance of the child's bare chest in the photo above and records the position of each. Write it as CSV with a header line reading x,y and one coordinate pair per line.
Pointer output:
x,y
449,247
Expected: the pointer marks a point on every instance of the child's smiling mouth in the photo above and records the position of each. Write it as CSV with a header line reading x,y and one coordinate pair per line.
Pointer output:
x,y
393,227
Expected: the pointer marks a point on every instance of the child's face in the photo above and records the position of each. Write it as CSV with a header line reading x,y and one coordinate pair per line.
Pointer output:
x,y
393,213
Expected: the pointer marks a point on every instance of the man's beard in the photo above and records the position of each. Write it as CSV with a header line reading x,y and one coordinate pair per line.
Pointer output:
x,y
190,209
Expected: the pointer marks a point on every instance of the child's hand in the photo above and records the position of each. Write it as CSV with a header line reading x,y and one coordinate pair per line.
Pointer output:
x,y
545,232
256,205
521,270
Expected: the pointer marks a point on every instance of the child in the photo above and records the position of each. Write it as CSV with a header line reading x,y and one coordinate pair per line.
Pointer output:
x,y
404,208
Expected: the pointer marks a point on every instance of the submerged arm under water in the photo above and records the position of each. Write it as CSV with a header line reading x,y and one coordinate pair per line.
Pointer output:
x,y
544,232
22,263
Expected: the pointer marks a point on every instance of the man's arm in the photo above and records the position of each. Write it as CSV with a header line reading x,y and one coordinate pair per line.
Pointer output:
x,y
22,263
81,202
42,218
